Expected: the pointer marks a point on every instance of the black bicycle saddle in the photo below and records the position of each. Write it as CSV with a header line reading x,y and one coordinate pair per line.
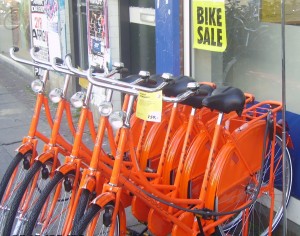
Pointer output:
x,y
195,100
225,99
177,86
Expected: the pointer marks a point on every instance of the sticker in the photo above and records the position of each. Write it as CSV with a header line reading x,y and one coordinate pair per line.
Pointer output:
x,y
149,106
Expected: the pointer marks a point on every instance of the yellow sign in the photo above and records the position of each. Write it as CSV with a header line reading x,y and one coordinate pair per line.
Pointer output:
x,y
209,25
149,106
83,82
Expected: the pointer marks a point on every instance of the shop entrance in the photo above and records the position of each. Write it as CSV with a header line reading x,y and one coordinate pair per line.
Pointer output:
x,y
137,21
79,34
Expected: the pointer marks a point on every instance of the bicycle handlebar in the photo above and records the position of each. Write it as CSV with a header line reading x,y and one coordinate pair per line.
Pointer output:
x,y
129,88
134,91
27,62
57,65
102,81
112,83
32,52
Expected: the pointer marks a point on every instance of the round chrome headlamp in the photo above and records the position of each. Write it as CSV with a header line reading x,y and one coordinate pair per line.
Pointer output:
x,y
116,119
55,95
77,99
105,108
37,85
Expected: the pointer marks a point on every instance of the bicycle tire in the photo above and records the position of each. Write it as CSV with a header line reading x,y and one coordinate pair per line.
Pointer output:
x,y
8,173
258,213
14,222
82,205
92,214
11,179
39,217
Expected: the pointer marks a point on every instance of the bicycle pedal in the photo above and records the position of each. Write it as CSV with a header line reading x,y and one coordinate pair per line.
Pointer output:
x,y
111,156
131,232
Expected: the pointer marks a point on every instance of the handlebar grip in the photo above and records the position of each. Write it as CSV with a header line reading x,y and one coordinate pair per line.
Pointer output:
x,y
58,61
36,49
68,55
124,70
16,49
97,70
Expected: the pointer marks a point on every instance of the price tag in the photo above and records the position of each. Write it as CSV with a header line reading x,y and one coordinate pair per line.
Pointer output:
x,y
149,106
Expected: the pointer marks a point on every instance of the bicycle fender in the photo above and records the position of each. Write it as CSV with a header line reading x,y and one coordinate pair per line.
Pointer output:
x,y
65,168
45,156
104,198
89,183
25,148
289,141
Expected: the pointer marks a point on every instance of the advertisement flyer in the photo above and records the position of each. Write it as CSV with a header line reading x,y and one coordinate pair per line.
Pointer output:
x,y
39,28
39,31
98,43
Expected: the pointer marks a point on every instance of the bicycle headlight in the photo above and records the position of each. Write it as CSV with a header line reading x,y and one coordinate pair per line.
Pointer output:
x,y
105,108
77,99
116,119
37,85
55,95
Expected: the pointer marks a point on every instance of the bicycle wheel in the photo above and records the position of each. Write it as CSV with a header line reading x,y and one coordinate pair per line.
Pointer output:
x,y
98,220
50,211
11,19
256,218
26,196
11,181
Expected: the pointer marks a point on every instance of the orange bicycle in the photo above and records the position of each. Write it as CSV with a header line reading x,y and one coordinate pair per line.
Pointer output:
x,y
245,187
27,152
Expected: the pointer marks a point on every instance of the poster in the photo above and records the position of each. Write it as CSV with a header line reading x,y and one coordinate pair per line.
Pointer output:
x,y
47,27
98,43
52,13
39,31
39,28
209,24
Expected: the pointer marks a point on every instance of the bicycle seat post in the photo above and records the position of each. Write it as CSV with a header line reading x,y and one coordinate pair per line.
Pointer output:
x,y
225,100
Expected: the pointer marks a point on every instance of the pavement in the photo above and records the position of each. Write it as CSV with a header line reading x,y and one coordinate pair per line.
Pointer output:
x,y
16,109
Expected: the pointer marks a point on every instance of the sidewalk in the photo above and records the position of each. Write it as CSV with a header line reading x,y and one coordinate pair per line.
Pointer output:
x,y
16,109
